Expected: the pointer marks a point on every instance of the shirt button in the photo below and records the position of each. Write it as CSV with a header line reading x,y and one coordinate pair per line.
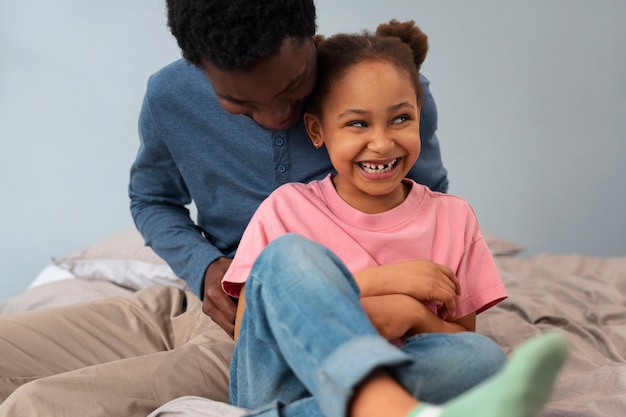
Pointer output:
x,y
282,168
279,141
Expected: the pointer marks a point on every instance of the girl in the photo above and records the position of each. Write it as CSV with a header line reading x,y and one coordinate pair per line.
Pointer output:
x,y
315,336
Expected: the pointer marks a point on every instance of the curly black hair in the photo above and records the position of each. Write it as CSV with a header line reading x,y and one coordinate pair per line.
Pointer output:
x,y
234,34
401,43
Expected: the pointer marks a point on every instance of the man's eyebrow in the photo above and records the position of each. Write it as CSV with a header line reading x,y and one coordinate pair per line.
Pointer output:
x,y
229,98
297,81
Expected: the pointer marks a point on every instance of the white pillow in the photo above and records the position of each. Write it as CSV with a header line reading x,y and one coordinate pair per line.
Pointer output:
x,y
51,273
122,259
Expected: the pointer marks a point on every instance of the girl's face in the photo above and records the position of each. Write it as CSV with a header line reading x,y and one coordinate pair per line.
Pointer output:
x,y
370,126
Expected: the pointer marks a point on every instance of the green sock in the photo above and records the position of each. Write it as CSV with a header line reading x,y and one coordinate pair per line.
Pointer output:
x,y
521,389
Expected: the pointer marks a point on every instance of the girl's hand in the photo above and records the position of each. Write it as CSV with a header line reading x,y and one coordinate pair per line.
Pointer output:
x,y
421,279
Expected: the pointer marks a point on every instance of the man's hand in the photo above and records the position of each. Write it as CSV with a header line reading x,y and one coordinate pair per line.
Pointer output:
x,y
217,304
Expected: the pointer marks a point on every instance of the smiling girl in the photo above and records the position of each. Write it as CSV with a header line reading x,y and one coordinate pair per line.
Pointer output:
x,y
323,334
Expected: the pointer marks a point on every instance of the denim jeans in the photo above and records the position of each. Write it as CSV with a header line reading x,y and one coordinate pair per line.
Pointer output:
x,y
306,342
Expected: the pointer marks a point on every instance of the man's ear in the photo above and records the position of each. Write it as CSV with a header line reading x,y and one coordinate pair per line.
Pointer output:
x,y
313,128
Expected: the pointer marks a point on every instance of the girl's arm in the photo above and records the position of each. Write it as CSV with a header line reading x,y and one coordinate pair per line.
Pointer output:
x,y
394,316
421,279
399,315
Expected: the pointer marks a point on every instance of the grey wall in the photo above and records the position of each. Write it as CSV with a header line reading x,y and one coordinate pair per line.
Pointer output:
x,y
531,98
72,77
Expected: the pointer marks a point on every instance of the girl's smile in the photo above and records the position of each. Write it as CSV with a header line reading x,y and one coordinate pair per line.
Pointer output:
x,y
379,170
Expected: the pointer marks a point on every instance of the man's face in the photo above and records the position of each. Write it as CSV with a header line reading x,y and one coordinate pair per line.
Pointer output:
x,y
273,90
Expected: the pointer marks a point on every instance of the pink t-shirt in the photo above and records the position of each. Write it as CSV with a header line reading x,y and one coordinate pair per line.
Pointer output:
x,y
427,225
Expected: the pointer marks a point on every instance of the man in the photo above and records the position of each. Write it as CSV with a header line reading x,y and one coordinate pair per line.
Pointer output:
x,y
227,143
220,128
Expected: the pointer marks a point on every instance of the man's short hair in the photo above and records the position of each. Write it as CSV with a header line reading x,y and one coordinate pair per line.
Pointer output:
x,y
234,34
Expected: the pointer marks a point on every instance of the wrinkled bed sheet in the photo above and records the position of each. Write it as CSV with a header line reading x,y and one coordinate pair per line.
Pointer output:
x,y
583,297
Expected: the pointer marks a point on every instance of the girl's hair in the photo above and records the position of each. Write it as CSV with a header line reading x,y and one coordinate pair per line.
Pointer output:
x,y
402,44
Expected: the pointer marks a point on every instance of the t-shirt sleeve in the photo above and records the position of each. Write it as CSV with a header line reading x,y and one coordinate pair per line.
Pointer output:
x,y
480,281
255,238
276,216
481,285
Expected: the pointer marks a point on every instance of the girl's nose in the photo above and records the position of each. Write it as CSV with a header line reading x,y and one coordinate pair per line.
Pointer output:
x,y
381,143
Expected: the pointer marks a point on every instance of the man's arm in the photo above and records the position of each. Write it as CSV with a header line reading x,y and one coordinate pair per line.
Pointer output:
x,y
159,197
201,265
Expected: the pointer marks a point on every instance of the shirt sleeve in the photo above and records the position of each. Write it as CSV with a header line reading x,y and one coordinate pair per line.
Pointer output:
x,y
479,279
158,196
255,238
481,285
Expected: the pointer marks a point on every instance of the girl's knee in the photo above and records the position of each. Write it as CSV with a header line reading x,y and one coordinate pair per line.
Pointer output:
x,y
448,365
293,254
489,356
290,243
291,261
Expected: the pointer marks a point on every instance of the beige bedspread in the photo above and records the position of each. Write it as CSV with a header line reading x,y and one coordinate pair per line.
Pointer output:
x,y
583,297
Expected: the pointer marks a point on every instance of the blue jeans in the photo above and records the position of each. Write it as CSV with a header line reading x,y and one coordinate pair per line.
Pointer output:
x,y
306,342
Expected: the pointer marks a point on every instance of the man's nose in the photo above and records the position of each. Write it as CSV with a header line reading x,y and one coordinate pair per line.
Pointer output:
x,y
275,116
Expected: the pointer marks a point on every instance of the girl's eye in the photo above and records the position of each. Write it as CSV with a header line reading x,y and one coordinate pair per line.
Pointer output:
x,y
400,119
358,123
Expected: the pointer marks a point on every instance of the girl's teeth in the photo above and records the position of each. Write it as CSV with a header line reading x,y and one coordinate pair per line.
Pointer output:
x,y
378,169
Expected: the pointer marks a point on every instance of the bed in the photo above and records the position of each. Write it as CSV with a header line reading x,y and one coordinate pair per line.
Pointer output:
x,y
583,297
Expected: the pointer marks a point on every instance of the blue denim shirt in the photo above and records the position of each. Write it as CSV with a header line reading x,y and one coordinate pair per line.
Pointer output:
x,y
191,149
